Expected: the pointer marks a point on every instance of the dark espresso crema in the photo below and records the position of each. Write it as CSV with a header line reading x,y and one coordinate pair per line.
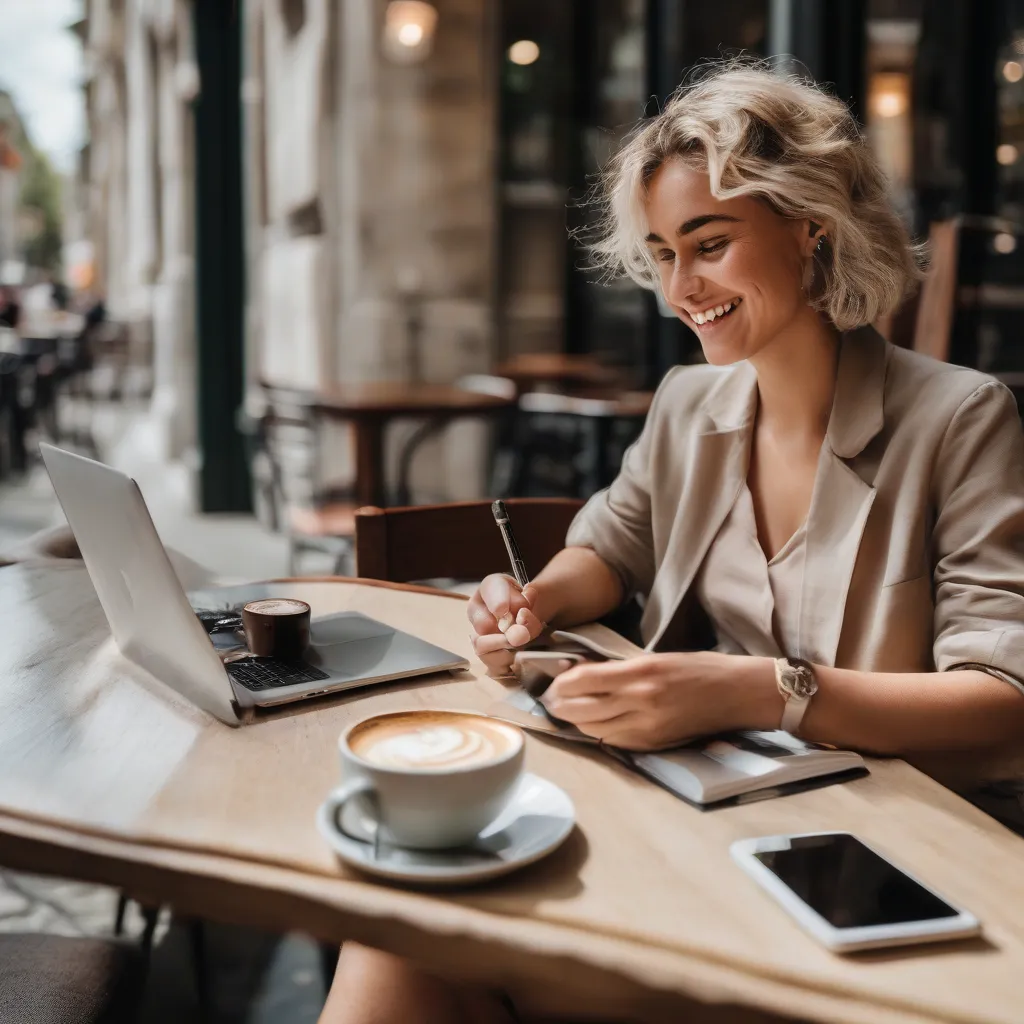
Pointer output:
x,y
433,741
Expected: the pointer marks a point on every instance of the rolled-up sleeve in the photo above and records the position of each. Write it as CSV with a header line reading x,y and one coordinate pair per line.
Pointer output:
x,y
979,538
616,522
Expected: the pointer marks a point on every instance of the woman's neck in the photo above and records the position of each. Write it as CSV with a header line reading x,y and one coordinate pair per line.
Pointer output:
x,y
796,379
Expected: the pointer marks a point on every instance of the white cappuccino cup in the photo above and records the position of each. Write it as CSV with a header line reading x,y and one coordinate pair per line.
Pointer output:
x,y
428,779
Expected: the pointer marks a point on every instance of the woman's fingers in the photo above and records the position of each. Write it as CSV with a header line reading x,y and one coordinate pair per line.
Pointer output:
x,y
480,617
493,650
528,619
610,730
586,680
583,710
489,643
498,664
502,598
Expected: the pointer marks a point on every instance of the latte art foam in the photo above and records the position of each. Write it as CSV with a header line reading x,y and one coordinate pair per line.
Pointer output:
x,y
277,606
441,746
426,741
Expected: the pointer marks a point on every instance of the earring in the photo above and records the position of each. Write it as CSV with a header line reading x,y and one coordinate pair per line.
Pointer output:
x,y
820,247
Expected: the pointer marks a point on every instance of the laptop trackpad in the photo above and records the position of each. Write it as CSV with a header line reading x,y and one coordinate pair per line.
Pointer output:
x,y
348,644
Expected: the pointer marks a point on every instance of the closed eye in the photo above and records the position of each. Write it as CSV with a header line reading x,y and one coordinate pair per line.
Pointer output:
x,y
712,245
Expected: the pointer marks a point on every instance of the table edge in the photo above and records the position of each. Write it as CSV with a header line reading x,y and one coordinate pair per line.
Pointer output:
x,y
157,869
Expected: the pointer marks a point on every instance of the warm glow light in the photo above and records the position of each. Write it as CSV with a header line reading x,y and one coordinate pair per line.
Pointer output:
x,y
525,51
409,30
890,104
410,34
888,94
1007,154
1004,243
1012,71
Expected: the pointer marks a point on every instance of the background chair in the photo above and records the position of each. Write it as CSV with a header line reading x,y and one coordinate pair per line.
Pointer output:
x,y
458,540
573,445
53,979
315,518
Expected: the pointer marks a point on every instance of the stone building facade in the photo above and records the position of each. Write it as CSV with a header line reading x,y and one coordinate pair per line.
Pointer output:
x,y
136,187
369,192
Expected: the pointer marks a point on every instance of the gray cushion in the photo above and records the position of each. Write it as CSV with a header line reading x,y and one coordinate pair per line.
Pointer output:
x,y
51,979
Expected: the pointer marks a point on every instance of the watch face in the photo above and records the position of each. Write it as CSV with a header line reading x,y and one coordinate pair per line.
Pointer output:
x,y
804,685
800,681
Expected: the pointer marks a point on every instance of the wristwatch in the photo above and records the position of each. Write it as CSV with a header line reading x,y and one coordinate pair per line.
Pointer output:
x,y
797,684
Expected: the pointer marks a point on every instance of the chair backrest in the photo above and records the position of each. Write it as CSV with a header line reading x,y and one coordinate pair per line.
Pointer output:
x,y
458,540
933,329
290,437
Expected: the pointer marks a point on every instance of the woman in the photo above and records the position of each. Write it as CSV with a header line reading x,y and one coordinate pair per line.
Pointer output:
x,y
847,517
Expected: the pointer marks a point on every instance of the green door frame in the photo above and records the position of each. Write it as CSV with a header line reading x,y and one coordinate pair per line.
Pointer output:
x,y
224,484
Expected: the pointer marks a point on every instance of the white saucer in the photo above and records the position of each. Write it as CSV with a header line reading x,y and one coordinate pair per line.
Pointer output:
x,y
537,820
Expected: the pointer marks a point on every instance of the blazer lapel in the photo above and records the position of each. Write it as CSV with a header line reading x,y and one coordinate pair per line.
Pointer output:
x,y
841,500
716,469
835,525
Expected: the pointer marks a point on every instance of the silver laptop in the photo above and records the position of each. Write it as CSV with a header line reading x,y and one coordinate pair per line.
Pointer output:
x,y
155,624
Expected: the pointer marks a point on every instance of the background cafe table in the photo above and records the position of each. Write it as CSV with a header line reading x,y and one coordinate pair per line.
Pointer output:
x,y
106,777
370,406
556,371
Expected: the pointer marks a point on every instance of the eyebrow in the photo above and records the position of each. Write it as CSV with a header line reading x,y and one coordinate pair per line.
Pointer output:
x,y
688,227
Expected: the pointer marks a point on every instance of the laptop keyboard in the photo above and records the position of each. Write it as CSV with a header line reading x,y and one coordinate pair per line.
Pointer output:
x,y
269,673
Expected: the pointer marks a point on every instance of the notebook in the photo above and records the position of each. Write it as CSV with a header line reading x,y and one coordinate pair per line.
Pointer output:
x,y
733,768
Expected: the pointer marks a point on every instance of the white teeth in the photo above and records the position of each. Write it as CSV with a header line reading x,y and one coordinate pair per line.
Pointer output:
x,y
710,315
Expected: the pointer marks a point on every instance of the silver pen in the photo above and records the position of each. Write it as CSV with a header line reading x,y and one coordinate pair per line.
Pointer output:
x,y
515,556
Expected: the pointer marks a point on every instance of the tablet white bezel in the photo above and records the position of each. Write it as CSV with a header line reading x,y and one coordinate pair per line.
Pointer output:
x,y
848,940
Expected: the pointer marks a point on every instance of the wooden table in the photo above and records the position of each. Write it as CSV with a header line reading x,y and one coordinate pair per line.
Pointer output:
x,y
370,406
106,777
555,370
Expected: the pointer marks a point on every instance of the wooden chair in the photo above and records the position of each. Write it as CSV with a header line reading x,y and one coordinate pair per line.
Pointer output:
x,y
458,540
314,519
936,304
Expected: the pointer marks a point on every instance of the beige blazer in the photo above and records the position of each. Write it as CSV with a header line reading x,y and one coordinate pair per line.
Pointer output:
x,y
915,534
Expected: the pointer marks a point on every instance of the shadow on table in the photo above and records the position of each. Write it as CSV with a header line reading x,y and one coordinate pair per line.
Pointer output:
x,y
980,945
356,694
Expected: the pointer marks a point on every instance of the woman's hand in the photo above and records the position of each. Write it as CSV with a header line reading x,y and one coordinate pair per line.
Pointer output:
x,y
502,617
656,701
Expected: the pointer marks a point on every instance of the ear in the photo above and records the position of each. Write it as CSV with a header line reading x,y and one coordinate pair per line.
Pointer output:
x,y
811,234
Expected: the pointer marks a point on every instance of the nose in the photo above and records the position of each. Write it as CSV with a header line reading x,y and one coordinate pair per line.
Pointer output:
x,y
683,284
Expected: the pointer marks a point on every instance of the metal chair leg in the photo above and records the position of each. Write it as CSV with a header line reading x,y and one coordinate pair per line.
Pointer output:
x,y
151,915
197,945
122,907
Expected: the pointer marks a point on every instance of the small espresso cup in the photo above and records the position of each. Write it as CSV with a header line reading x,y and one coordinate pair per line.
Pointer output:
x,y
276,627
428,780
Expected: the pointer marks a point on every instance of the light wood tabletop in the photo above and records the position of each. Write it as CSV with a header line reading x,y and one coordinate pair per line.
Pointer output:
x,y
106,776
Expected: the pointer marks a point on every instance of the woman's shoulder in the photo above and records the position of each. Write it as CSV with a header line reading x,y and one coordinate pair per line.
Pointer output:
x,y
916,377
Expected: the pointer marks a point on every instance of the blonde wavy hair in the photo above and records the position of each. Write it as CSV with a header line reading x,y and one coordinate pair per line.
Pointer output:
x,y
787,142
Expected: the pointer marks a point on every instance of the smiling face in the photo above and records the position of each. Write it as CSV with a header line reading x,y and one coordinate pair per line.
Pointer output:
x,y
732,270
